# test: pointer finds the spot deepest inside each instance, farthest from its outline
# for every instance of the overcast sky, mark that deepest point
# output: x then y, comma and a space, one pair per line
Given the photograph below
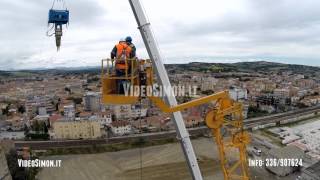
203, 30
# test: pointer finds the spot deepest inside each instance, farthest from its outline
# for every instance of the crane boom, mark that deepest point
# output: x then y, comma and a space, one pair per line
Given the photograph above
154, 54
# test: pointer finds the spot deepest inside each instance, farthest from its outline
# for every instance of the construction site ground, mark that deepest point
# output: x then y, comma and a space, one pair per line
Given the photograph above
158, 163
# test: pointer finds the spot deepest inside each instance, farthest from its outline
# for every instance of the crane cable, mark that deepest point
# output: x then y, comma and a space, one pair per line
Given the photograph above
50, 31
140, 129
140, 139
64, 6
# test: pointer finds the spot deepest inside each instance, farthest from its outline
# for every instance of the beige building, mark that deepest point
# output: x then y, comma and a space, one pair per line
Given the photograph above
76, 130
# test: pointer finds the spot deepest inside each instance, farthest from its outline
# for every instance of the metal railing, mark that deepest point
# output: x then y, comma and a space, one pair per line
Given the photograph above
108, 69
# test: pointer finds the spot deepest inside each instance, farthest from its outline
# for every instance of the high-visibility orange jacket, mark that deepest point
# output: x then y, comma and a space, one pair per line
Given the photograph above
121, 51
123, 48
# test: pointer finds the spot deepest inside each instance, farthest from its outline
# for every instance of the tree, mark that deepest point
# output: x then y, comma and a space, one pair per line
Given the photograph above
49, 124
67, 89
17, 173
57, 106
21, 109
45, 129
207, 92
6, 110
26, 129
36, 126
77, 100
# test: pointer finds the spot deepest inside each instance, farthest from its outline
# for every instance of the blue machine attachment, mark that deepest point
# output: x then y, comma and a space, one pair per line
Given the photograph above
57, 18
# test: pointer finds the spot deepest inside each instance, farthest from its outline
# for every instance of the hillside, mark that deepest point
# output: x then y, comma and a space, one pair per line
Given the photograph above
246, 67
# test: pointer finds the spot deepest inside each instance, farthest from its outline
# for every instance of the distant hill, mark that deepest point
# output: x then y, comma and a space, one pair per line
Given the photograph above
4, 74
21, 73
245, 67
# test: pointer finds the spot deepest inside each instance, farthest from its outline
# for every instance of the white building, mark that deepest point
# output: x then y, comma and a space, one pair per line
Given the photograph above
237, 93
268, 108
129, 111
104, 118
302, 92
245, 108
33, 103
208, 83
41, 118
120, 128
283, 92
69, 112
137, 112
16, 135
92, 101
122, 111
42, 111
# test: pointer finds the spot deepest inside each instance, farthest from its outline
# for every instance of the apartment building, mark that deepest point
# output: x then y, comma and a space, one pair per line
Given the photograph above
237, 93
69, 112
120, 128
76, 130
33, 103
129, 111
92, 101
104, 118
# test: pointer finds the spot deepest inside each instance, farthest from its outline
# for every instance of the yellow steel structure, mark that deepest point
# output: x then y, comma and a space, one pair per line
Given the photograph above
228, 114
136, 71
225, 116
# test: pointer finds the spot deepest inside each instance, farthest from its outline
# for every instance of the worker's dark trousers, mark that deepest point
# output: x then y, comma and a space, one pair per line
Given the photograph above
120, 82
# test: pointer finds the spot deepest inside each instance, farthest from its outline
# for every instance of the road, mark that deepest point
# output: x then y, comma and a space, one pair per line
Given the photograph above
250, 123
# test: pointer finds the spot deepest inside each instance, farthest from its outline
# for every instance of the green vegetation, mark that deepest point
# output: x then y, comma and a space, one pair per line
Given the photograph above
76, 100
262, 67
254, 111
266, 92
20, 173
21, 109
12, 161
207, 92
39, 131
271, 136
300, 122
5, 111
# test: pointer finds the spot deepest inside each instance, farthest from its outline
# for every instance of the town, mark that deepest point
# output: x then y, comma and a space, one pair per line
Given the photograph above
68, 106
51, 105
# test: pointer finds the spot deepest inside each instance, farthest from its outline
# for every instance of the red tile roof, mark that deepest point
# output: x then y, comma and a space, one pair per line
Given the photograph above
119, 123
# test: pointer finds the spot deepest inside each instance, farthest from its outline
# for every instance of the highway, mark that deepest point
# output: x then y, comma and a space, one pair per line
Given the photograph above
249, 123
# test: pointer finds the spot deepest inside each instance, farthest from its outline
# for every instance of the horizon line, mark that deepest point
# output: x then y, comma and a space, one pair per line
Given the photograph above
177, 63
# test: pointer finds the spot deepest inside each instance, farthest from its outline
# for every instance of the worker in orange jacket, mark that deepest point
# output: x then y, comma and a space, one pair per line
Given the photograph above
122, 51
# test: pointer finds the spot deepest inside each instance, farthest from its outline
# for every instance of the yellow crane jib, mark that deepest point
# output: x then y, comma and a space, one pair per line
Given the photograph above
226, 114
